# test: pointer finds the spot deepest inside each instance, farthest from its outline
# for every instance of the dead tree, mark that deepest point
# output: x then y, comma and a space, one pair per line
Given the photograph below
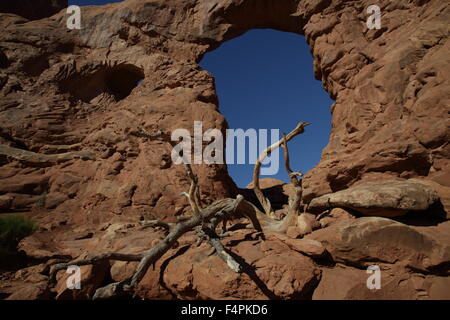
267, 219
204, 222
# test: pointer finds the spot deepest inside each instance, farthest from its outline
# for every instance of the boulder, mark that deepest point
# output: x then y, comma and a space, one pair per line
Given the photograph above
272, 270
385, 199
123, 270
347, 283
54, 199
33, 274
335, 215
311, 248
359, 241
266, 183
37, 248
295, 232
39, 291
92, 278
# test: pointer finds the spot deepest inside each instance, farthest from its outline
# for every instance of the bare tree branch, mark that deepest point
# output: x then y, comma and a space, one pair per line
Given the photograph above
152, 255
294, 202
211, 236
204, 222
194, 193
265, 223
210, 216
265, 203
102, 257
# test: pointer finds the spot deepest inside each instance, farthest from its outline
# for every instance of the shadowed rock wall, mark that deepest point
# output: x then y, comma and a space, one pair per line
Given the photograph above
33, 9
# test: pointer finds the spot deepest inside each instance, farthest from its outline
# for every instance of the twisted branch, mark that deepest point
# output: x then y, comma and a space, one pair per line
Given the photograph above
265, 203
204, 222
194, 190
294, 202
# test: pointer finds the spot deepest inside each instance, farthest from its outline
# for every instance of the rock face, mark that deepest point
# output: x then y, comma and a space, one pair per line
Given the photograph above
71, 113
358, 241
86, 118
91, 278
347, 283
33, 9
274, 272
386, 199
397, 249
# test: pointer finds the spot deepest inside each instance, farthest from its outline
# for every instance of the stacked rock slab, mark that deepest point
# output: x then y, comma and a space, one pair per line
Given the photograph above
386, 199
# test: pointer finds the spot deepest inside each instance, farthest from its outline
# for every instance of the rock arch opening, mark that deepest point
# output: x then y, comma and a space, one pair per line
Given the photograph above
265, 80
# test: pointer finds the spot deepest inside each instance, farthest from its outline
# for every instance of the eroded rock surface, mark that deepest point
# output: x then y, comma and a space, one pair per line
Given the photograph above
347, 283
86, 117
385, 199
72, 92
358, 241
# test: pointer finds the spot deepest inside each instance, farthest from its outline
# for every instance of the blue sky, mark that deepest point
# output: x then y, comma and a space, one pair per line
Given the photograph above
264, 80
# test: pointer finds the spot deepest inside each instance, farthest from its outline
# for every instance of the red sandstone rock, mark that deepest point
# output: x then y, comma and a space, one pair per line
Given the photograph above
295, 232
196, 274
443, 192
358, 241
347, 283
91, 279
311, 248
73, 126
38, 291
335, 215
363, 142
266, 183
386, 199
306, 223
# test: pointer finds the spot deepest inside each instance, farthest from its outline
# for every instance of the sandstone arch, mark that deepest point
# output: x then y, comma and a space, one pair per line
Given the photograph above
389, 120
